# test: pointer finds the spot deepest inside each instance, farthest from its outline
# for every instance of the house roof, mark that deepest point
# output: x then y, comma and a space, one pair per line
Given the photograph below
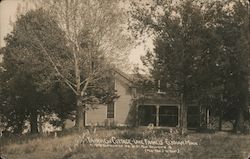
128, 78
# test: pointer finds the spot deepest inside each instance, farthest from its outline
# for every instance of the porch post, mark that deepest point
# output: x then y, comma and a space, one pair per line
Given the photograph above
157, 115
179, 116
136, 116
207, 117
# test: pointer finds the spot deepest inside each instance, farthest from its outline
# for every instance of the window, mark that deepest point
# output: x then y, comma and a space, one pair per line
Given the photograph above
161, 85
110, 110
168, 116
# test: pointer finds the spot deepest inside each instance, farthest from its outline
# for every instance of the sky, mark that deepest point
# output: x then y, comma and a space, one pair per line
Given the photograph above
7, 14
8, 11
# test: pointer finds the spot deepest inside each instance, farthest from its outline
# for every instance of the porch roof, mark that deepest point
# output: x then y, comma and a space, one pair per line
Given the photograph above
156, 98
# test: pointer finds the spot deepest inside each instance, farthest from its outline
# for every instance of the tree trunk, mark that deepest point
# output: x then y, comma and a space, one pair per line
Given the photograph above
243, 104
80, 115
220, 117
220, 122
33, 122
243, 83
239, 122
183, 123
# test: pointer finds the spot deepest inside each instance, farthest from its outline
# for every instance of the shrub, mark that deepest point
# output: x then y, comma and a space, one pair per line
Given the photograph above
30, 149
129, 134
110, 123
246, 127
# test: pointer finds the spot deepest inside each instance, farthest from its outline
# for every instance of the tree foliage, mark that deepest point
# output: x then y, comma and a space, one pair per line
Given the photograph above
65, 46
201, 50
95, 36
26, 77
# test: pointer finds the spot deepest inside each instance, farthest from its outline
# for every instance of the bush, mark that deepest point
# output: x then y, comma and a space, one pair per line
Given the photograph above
130, 134
147, 133
246, 127
206, 130
110, 123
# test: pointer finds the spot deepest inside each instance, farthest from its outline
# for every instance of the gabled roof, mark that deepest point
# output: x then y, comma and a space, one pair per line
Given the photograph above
128, 78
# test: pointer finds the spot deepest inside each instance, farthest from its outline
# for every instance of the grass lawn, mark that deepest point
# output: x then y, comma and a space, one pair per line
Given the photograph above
220, 145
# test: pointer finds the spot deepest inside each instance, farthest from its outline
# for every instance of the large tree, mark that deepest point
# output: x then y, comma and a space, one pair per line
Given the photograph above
94, 42
233, 30
196, 47
26, 78
180, 37
95, 35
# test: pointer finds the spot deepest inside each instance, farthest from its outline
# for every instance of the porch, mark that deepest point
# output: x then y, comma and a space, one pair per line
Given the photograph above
167, 115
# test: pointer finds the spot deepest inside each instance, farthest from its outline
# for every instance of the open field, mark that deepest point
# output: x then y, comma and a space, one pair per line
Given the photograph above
220, 145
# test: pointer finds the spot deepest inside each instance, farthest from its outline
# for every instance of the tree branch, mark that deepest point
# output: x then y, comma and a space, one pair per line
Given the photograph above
68, 82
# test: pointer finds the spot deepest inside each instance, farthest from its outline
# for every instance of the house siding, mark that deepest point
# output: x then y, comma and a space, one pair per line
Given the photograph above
123, 103
97, 116
121, 106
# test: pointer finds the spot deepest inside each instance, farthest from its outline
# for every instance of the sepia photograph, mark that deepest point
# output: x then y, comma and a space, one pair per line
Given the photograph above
124, 79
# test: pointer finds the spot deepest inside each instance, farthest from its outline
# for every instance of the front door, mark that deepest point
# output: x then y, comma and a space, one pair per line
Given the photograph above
147, 115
